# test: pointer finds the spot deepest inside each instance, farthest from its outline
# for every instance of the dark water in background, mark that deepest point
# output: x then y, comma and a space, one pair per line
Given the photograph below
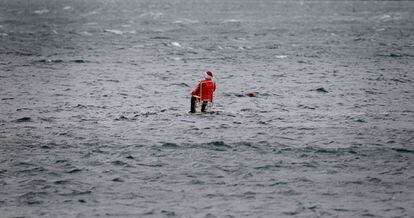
95, 94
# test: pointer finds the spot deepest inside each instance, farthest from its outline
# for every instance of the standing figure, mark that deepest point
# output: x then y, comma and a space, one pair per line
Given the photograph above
203, 92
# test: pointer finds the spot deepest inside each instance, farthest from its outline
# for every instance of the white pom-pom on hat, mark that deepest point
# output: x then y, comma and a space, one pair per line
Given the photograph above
208, 74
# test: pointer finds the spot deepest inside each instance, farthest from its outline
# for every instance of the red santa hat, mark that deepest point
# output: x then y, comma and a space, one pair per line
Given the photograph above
208, 74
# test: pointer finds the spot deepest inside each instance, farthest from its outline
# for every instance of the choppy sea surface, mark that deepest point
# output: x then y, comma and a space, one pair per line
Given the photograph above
94, 101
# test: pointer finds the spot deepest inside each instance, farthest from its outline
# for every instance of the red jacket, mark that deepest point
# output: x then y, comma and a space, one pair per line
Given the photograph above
205, 89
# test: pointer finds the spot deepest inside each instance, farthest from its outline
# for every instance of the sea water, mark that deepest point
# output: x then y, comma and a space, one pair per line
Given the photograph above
95, 95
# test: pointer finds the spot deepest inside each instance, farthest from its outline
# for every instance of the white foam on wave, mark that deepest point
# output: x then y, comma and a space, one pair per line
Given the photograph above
176, 44
114, 31
388, 17
385, 17
42, 11
153, 15
86, 33
185, 21
231, 21
91, 23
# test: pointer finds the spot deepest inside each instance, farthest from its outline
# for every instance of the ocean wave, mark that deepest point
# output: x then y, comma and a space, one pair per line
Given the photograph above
114, 31
152, 15
41, 11
232, 21
176, 44
309, 107
185, 21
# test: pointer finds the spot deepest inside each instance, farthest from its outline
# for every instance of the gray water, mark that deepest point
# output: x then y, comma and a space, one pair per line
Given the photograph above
94, 101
